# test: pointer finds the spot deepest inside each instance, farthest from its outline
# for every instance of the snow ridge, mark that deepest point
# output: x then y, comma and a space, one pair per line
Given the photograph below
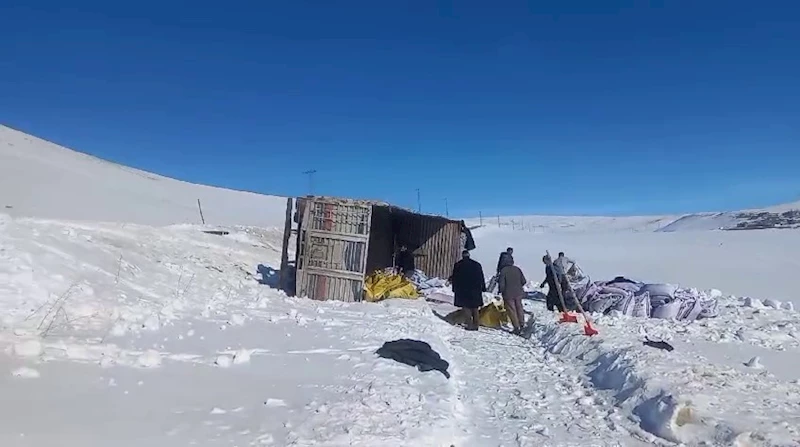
674, 397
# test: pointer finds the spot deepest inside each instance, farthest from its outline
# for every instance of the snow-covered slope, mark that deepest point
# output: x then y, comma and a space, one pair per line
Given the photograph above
779, 217
42, 179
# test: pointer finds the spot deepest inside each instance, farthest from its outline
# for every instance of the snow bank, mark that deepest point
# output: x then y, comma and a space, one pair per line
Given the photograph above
680, 396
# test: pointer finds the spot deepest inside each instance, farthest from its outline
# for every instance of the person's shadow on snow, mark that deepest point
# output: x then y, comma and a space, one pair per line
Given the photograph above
269, 276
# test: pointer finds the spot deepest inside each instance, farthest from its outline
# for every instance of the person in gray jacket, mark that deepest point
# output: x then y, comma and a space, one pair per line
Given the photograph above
510, 283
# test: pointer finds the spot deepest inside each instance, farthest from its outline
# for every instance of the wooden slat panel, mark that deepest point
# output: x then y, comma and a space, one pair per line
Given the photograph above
336, 239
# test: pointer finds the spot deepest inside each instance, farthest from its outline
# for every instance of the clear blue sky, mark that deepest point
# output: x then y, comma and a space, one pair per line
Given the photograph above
582, 107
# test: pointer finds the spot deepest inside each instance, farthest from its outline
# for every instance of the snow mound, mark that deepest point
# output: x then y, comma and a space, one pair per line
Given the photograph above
242, 356
29, 348
224, 361
26, 373
150, 359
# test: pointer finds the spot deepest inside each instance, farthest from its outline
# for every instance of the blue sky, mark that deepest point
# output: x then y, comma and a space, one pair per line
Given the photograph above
579, 107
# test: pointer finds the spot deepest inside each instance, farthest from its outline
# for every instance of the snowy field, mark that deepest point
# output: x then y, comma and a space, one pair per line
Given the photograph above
122, 323
119, 334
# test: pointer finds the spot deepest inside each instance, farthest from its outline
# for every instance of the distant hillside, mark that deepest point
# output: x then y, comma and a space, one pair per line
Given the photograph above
781, 217
42, 179
785, 216
574, 224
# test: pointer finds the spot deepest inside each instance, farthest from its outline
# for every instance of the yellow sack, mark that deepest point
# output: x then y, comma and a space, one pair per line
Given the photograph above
493, 315
381, 285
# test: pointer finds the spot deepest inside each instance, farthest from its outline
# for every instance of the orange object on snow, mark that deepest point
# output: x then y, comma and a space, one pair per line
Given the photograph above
567, 317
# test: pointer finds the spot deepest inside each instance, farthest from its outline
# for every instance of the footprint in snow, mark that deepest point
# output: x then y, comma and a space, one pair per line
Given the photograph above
274, 403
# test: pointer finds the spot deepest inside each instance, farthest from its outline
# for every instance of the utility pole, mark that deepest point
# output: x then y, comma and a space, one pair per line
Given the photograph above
419, 202
310, 173
446, 208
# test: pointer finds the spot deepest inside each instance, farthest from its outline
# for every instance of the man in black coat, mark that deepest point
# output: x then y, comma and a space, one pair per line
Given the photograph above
404, 261
468, 285
551, 276
504, 258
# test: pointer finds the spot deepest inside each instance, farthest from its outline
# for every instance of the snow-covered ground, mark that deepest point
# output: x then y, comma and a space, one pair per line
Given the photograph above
121, 334
126, 334
42, 179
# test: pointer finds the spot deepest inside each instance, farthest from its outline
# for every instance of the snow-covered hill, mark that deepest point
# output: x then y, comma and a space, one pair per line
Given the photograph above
786, 216
42, 179
574, 224
779, 217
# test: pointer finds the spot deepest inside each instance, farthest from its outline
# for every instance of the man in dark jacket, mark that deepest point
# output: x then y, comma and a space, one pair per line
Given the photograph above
469, 241
468, 285
551, 276
404, 261
509, 253
510, 284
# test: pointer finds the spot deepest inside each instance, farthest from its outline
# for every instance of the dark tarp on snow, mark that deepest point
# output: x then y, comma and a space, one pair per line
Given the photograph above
414, 353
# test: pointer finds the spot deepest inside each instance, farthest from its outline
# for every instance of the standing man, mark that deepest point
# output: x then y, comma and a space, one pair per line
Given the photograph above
510, 283
468, 285
563, 264
550, 279
509, 253
552, 275
404, 261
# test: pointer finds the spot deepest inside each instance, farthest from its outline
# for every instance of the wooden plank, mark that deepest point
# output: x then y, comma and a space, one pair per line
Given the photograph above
283, 279
339, 236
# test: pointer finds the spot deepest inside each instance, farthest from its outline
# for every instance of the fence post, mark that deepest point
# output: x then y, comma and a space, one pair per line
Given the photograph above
283, 277
480, 216
203, 219
498, 221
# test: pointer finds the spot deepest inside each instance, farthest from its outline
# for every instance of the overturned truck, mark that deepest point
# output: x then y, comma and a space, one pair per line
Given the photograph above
339, 242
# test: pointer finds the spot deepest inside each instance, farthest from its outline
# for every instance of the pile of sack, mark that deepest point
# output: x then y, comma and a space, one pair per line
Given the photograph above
639, 299
492, 315
381, 285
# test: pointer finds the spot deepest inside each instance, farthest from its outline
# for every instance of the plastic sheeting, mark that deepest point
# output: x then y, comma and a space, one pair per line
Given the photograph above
638, 299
